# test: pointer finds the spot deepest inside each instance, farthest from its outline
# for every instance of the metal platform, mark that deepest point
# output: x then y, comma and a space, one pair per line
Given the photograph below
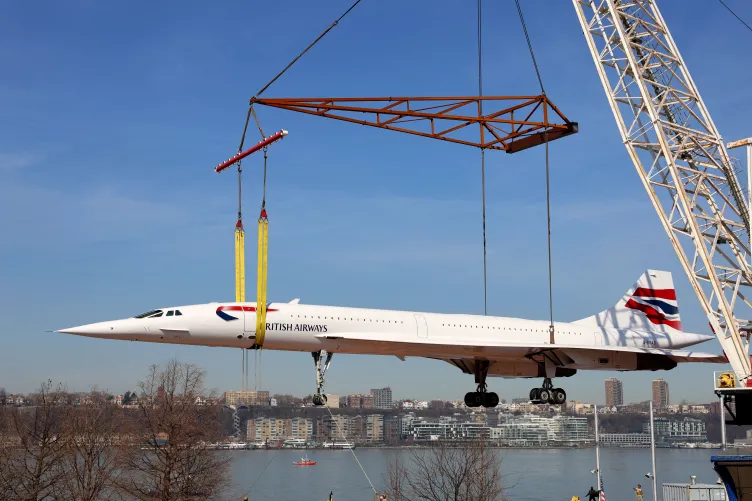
736, 396
736, 474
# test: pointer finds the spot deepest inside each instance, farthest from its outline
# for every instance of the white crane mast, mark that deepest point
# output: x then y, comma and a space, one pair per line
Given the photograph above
680, 158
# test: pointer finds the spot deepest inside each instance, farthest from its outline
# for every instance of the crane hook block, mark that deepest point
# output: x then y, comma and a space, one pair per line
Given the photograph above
269, 140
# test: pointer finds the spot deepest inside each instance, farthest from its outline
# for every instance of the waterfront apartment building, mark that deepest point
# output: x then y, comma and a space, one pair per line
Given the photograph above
531, 430
301, 428
375, 428
333, 428
240, 397
268, 429
392, 427
448, 429
614, 393
624, 439
382, 398
686, 429
660, 394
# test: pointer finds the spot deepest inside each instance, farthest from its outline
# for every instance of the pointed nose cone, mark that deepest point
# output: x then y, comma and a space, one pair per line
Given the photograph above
92, 330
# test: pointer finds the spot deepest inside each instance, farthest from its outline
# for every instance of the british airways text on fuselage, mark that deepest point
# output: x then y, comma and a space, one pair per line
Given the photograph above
281, 327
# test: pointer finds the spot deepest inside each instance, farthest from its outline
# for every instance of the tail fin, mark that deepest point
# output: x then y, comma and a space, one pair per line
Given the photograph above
649, 305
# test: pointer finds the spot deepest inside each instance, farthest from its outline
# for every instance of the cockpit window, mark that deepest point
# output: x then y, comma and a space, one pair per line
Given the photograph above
177, 313
152, 313
170, 313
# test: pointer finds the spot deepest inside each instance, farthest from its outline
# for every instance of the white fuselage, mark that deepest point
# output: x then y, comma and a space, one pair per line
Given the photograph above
298, 327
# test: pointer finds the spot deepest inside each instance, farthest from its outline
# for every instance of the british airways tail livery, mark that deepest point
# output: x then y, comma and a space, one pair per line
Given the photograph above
642, 331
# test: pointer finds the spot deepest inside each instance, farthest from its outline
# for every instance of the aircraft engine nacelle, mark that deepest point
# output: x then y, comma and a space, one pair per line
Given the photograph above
620, 361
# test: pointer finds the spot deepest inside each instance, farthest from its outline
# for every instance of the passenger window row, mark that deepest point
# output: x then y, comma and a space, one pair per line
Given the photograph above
351, 319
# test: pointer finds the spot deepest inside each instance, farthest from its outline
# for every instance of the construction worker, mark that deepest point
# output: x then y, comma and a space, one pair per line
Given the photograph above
331, 493
638, 492
575, 498
592, 494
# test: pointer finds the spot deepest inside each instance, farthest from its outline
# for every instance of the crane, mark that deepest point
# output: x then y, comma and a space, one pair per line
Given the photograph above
685, 169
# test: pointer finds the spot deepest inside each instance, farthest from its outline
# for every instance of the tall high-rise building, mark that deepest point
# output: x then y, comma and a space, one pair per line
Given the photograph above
614, 394
660, 394
382, 398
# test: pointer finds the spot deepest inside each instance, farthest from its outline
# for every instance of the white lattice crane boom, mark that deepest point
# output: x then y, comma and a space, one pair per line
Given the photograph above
680, 158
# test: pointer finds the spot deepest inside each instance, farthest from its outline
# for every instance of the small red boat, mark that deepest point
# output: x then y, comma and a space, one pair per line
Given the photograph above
304, 461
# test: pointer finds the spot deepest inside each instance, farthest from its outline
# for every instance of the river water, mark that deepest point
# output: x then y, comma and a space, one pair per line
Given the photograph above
531, 475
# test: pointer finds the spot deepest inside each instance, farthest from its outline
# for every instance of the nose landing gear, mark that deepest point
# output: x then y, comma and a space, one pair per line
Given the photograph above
481, 397
548, 394
319, 398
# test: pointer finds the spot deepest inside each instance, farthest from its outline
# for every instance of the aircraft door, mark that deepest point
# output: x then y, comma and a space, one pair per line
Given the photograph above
598, 338
250, 320
421, 325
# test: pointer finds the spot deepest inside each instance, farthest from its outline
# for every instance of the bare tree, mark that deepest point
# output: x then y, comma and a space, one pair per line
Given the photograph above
33, 462
174, 461
92, 455
8, 447
447, 472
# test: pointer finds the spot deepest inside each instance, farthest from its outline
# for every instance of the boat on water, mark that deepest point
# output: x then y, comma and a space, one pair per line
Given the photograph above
339, 445
304, 461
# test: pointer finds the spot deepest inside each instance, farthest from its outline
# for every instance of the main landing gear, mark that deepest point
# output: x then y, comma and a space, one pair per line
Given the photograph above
319, 398
481, 397
548, 394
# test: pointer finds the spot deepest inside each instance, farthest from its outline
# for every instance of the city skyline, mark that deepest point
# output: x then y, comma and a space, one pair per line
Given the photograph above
659, 395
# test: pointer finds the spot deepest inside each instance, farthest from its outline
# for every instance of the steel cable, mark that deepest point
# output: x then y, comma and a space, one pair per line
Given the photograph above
482, 157
548, 179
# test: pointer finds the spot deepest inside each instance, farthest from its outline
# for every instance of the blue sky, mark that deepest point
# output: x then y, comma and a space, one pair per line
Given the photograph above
112, 117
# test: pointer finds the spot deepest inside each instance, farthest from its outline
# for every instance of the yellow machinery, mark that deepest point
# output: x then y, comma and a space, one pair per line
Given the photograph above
726, 380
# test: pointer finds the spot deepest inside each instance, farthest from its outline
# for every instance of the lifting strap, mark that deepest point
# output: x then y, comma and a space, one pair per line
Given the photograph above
263, 233
239, 262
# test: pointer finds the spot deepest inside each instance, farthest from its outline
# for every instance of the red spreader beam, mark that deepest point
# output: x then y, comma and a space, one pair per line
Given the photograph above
240, 156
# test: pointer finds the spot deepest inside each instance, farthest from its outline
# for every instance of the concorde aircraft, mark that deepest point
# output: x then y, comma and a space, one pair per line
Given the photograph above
642, 331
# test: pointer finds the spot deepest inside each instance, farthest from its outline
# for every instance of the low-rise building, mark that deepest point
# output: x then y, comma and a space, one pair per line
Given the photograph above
246, 397
624, 439
684, 429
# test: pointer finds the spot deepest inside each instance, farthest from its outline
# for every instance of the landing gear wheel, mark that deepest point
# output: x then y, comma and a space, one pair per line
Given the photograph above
535, 394
558, 396
544, 396
319, 399
474, 399
490, 400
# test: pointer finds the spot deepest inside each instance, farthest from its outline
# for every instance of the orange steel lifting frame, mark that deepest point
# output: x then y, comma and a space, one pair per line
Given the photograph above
524, 122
